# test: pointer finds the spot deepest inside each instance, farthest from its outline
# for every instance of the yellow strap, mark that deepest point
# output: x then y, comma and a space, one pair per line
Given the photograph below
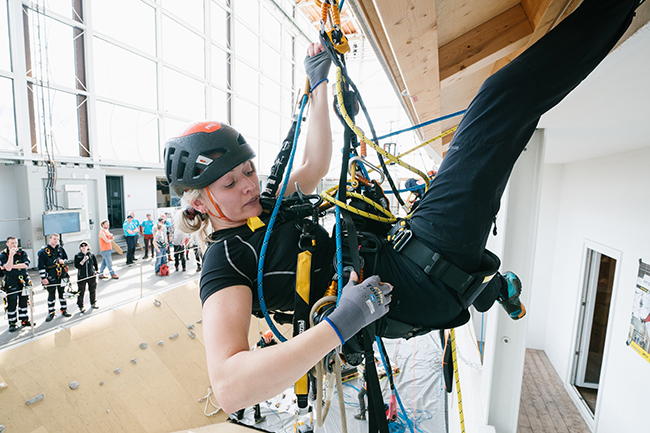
303, 279
254, 223
303, 275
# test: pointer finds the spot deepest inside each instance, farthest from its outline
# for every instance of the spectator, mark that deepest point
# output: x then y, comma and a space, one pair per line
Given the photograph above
160, 245
14, 261
138, 228
86, 263
179, 241
106, 248
131, 233
198, 254
147, 232
53, 272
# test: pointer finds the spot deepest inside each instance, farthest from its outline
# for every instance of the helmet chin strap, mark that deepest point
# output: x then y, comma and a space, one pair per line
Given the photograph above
216, 206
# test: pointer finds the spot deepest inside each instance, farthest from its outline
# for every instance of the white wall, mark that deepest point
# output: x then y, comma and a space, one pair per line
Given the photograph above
607, 201
538, 309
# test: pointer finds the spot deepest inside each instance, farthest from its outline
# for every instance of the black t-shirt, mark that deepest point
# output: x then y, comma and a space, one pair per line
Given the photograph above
232, 260
12, 276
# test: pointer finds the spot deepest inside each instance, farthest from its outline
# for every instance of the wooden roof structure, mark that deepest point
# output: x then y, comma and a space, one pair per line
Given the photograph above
438, 53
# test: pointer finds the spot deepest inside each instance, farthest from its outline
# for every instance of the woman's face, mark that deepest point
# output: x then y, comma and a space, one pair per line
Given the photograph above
237, 193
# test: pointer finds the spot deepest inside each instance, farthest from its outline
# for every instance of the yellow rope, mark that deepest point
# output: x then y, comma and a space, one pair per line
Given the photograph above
364, 214
438, 137
456, 377
363, 137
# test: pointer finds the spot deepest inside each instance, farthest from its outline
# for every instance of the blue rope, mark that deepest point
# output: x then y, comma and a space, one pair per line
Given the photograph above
439, 119
399, 400
339, 252
388, 191
271, 223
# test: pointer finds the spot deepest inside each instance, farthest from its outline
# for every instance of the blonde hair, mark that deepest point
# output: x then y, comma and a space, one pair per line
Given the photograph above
197, 227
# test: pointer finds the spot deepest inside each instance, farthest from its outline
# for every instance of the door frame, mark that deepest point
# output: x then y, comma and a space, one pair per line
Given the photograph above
592, 418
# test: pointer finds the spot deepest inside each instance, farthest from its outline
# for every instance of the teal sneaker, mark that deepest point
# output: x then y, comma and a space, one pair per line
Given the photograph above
512, 303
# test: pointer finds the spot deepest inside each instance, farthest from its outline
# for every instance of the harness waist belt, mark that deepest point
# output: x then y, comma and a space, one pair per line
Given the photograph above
466, 286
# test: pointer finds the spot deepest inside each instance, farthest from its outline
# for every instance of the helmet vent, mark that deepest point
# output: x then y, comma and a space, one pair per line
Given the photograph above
182, 162
170, 153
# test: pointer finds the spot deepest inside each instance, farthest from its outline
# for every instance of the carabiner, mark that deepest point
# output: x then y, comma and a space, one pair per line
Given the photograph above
363, 161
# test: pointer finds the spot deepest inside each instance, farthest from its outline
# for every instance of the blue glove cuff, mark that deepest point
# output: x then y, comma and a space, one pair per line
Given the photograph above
316, 85
335, 330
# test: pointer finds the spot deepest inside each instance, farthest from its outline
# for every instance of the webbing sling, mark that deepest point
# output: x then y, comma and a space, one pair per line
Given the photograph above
377, 421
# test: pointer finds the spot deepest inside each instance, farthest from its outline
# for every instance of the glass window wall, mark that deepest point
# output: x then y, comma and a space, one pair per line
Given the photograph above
137, 28
124, 76
184, 96
5, 51
7, 118
125, 134
182, 48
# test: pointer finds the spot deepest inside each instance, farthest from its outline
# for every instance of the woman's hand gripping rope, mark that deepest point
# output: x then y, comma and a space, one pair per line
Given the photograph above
360, 305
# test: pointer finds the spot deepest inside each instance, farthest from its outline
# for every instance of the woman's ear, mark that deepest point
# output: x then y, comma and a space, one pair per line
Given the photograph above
198, 204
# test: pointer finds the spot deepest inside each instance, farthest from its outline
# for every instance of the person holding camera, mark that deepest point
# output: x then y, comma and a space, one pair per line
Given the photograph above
86, 263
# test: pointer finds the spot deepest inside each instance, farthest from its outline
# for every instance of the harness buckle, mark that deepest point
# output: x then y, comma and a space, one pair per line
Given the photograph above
401, 238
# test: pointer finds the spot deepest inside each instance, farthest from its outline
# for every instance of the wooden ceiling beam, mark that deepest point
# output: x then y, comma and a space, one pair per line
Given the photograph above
484, 45
370, 19
411, 29
543, 14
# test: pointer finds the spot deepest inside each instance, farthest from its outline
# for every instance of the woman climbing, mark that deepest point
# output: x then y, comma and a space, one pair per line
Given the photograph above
210, 165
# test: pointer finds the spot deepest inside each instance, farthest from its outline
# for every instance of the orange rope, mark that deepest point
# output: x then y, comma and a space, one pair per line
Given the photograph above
335, 13
323, 12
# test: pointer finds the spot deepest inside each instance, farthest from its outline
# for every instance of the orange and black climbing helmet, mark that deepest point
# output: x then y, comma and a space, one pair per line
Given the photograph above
203, 153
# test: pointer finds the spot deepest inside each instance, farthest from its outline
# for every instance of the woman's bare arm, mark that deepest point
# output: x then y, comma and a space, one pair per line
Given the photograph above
318, 144
240, 377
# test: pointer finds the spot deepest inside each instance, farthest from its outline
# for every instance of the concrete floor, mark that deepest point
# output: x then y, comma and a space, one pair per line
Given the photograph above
135, 281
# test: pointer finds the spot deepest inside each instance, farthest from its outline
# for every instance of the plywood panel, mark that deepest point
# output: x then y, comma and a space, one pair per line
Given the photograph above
457, 18
411, 27
160, 392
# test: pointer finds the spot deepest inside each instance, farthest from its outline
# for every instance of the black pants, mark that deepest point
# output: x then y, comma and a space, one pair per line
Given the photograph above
16, 299
456, 213
131, 243
92, 290
148, 245
51, 297
179, 256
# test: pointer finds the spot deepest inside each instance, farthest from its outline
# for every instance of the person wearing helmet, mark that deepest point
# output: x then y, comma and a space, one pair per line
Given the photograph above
267, 339
86, 263
211, 166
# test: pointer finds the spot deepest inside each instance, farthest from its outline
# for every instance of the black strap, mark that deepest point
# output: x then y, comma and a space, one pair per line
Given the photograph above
377, 421
353, 241
436, 266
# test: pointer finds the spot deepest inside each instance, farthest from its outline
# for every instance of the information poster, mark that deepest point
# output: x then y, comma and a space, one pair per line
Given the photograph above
639, 336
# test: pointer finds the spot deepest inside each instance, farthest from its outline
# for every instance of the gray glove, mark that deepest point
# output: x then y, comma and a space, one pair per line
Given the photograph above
359, 306
317, 68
